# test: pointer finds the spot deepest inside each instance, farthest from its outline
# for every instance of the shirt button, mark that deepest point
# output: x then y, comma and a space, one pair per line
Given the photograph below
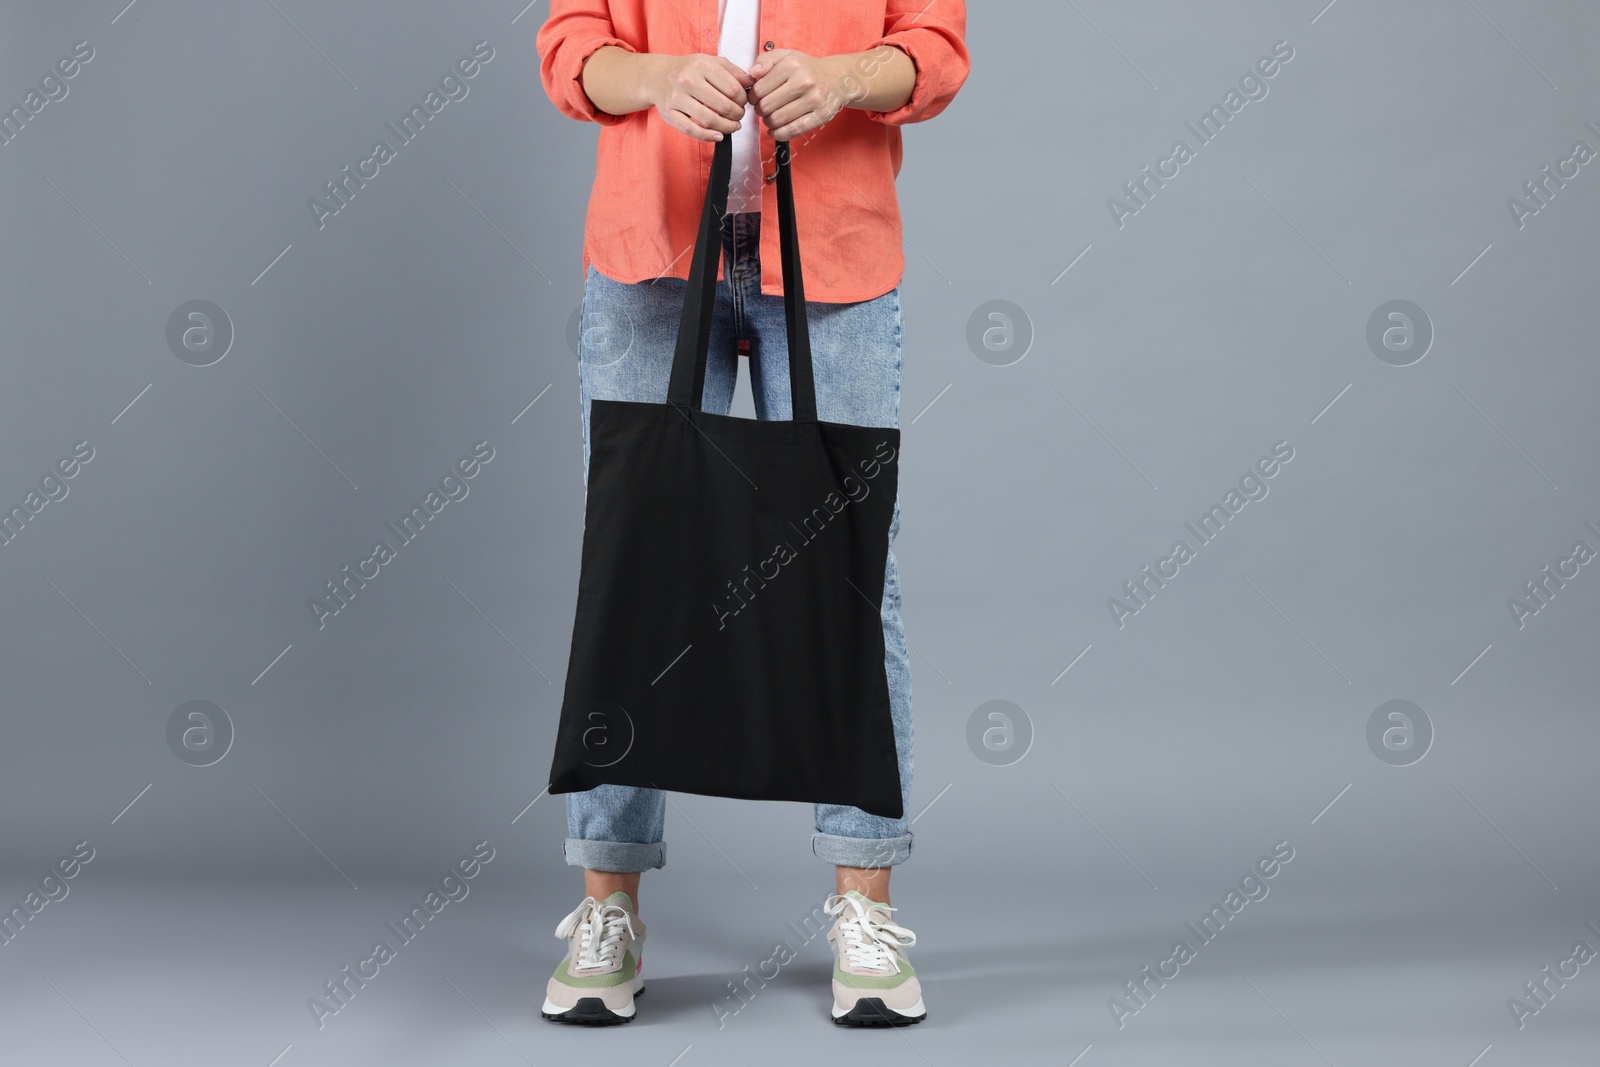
767, 47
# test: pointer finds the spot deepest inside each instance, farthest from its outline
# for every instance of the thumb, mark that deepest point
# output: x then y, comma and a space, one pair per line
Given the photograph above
766, 61
739, 73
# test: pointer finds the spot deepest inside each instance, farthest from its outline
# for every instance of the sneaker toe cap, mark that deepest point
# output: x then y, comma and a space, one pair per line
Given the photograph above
615, 997
902, 997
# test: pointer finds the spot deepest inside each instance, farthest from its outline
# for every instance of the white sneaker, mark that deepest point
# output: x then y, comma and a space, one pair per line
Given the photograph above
873, 982
597, 980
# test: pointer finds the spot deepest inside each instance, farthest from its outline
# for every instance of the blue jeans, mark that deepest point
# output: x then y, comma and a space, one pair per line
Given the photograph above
628, 333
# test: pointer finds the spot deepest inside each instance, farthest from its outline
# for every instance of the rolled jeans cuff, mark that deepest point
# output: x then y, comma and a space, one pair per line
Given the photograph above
619, 857
864, 852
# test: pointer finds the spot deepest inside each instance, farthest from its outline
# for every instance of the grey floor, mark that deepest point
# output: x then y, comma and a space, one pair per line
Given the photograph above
213, 973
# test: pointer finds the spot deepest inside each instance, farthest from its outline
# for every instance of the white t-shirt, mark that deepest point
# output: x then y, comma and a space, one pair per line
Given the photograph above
740, 30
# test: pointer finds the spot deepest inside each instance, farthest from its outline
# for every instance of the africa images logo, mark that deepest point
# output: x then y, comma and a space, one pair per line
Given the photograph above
856, 489
453, 86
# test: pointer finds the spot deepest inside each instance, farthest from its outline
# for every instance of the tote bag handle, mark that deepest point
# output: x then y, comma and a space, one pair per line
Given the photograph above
694, 327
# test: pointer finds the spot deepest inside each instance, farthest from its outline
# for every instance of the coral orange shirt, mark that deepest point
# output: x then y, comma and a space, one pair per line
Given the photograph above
650, 180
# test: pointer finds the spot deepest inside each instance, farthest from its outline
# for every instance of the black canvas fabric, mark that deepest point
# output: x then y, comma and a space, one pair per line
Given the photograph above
728, 637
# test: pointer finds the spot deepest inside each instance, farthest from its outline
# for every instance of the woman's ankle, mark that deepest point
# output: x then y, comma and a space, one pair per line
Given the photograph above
601, 884
870, 882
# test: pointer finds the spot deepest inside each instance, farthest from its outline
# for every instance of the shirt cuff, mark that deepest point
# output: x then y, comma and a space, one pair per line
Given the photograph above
924, 60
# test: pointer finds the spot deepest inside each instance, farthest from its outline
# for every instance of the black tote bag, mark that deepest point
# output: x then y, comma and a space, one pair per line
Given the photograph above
728, 637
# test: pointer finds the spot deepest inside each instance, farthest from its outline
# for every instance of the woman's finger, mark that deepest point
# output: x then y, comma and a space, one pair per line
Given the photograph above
789, 112
704, 117
733, 83
686, 125
788, 131
784, 90
715, 101
708, 113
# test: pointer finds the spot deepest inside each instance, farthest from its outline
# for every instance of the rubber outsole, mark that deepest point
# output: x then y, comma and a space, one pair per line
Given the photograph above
591, 1011
870, 1011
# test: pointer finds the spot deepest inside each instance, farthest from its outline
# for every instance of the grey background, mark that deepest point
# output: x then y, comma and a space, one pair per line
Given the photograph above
1228, 314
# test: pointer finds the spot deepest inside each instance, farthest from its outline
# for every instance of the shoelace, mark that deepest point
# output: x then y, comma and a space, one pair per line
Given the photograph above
870, 943
600, 928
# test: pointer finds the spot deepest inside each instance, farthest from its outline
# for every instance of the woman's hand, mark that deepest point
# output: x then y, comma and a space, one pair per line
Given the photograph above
704, 96
796, 93
700, 95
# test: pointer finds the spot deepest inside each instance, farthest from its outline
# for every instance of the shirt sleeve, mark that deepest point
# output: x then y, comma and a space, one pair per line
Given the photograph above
571, 33
934, 36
